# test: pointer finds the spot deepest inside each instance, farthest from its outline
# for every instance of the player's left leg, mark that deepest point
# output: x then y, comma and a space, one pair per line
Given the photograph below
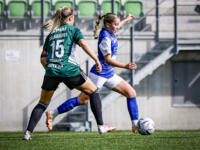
128, 91
37, 112
95, 102
91, 90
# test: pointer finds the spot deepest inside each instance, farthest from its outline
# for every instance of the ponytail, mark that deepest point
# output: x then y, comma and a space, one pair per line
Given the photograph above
108, 18
97, 26
58, 18
54, 22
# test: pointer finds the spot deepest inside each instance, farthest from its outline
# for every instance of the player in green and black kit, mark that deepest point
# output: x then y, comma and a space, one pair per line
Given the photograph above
60, 46
59, 62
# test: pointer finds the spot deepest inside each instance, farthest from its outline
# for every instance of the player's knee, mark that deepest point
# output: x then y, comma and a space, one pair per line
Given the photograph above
130, 93
84, 100
90, 91
44, 101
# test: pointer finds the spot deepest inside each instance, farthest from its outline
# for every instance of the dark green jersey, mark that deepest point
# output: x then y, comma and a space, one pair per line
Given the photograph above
60, 47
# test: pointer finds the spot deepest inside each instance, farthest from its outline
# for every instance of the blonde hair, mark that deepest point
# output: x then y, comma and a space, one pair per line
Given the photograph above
108, 18
58, 18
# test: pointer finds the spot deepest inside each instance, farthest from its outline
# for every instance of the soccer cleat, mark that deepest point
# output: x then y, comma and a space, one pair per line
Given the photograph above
111, 129
103, 129
49, 120
135, 130
27, 135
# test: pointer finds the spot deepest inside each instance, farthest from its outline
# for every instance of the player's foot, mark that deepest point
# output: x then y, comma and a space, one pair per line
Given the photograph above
111, 128
135, 126
49, 120
135, 130
103, 129
27, 135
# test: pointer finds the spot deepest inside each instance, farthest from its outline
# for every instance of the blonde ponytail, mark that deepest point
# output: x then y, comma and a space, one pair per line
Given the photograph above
54, 22
58, 18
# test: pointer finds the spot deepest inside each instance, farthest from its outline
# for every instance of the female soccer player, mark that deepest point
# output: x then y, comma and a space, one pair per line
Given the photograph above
107, 51
60, 65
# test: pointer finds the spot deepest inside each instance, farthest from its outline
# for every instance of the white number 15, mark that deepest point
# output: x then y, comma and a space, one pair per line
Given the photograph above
58, 50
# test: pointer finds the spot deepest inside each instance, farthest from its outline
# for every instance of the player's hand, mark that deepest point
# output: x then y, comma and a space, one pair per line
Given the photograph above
131, 65
129, 17
98, 66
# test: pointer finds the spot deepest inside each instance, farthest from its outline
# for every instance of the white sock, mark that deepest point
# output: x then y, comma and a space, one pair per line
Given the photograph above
134, 123
54, 113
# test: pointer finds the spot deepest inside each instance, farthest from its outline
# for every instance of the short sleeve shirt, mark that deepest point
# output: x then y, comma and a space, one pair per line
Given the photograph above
107, 44
60, 48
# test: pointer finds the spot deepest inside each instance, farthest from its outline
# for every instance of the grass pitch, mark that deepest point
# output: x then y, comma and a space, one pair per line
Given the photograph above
119, 140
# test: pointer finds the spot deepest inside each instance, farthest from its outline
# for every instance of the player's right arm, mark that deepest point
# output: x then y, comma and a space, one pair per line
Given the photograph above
83, 44
43, 58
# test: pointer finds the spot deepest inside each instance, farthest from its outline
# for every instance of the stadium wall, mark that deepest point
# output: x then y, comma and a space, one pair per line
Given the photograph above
22, 75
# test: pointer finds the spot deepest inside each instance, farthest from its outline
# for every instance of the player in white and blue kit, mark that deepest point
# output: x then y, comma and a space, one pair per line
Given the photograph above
107, 44
107, 51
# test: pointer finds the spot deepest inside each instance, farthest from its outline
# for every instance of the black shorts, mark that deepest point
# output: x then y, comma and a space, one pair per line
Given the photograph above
52, 82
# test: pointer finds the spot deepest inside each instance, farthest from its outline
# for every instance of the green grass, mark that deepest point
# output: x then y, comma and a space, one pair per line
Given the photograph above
119, 140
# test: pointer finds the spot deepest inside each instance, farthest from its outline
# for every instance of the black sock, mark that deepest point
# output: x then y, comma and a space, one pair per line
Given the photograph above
35, 116
96, 107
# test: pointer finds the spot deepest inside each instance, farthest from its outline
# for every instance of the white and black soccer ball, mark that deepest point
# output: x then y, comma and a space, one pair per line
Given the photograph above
146, 126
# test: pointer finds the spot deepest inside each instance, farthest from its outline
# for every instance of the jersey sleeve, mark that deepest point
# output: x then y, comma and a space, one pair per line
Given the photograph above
105, 46
44, 51
78, 35
46, 42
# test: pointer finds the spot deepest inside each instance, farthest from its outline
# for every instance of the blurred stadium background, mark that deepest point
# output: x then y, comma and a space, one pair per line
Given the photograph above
163, 40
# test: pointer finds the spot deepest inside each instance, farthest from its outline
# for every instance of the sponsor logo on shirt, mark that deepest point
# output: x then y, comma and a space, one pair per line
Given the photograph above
55, 66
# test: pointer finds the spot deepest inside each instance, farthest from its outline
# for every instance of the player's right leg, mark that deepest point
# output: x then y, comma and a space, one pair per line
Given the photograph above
119, 85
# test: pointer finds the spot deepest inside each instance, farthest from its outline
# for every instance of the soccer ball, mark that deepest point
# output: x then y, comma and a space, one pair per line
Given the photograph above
146, 126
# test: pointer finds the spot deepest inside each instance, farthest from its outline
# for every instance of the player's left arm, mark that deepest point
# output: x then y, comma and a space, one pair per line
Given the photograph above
127, 19
115, 63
